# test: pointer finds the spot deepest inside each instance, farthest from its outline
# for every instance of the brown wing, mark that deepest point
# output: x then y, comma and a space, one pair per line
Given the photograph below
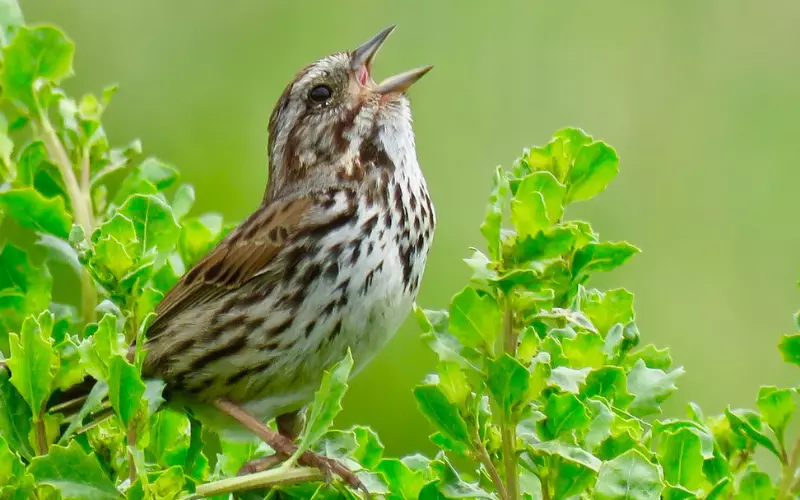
235, 260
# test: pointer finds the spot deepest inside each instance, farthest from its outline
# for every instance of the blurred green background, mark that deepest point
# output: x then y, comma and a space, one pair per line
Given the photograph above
701, 99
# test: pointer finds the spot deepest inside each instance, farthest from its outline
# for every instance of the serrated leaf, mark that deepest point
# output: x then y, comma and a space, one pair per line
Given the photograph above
24, 290
650, 387
537, 203
198, 236
402, 481
790, 348
569, 452
111, 254
182, 201
34, 362
475, 319
104, 343
630, 476
11, 467
569, 379
605, 310
436, 334
40, 53
433, 403
490, 228
565, 413
369, 451
453, 382
76, 475
595, 165
153, 221
547, 244
125, 389
151, 171
601, 257
450, 483
776, 407
602, 419
169, 438
744, 427
610, 383
327, 403
756, 485
508, 383
32, 210
15, 417
586, 350
681, 457
651, 356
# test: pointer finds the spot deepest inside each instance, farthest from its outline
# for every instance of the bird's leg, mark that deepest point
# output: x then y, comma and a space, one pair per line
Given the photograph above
289, 425
284, 446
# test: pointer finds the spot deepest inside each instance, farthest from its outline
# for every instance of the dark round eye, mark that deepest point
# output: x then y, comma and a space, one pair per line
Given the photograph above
320, 94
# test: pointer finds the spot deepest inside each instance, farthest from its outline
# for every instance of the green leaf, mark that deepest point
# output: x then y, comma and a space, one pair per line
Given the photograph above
490, 228
776, 407
595, 166
169, 438
568, 452
605, 310
125, 389
93, 401
585, 350
650, 387
721, 491
167, 484
327, 403
508, 384
198, 236
601, 257
630, 476
681, 457
537, 203
402, 481
547, 244
370, 449
153, 221
182, 201
610, 383
32, 210
34, 362
453, 382
105, 343
28, 162
151, 171
652, 357
451, 485
436, 334
76, 475
15, 417
24, 290
790, 348
565, 413
743, 426
602, 419
111, 254
475, 319
569, 379
433, 403
41, 53
756, 485
11, 467
10, 20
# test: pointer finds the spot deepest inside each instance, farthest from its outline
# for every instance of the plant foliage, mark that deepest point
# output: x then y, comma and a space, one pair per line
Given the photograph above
542, 388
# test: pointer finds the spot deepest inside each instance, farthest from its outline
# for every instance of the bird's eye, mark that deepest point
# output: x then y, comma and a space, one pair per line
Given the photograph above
320, 94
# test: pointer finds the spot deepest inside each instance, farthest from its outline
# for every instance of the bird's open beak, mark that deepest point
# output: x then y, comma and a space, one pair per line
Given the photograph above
363, 56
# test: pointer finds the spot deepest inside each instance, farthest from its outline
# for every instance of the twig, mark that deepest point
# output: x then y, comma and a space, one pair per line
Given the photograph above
41, 436
259, 480
483, 457
79, 200
788, 482
508, 428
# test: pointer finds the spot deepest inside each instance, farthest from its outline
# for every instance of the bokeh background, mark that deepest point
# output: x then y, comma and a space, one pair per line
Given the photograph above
700, 99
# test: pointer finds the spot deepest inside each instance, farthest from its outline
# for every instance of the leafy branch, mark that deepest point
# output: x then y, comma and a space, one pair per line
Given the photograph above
541, 389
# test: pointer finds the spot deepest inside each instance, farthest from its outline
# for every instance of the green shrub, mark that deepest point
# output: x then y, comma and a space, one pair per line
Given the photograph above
542, 390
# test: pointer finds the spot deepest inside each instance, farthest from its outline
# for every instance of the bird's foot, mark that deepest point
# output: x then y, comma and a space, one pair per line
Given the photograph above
284, 448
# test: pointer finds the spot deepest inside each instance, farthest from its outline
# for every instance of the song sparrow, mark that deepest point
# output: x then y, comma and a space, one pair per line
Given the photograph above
331, 260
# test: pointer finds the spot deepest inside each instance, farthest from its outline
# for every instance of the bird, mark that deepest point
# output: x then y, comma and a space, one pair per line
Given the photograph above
331, 260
